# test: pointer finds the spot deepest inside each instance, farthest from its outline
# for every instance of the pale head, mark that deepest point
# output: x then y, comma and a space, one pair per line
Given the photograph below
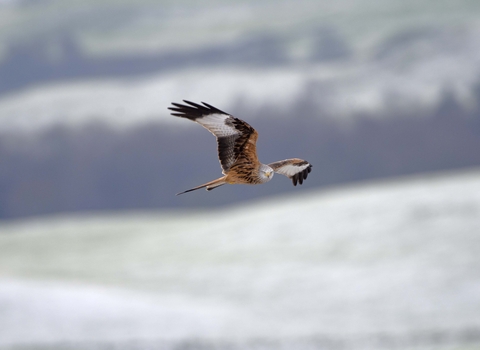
265, 173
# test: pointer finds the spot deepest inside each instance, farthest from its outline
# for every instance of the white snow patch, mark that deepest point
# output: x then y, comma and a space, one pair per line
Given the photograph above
43, 312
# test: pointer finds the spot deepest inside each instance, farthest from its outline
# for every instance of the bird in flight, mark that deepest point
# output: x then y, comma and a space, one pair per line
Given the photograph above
237, 152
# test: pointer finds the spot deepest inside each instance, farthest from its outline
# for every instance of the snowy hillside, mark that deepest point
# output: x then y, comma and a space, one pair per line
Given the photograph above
350, 57
386, 265
340, 90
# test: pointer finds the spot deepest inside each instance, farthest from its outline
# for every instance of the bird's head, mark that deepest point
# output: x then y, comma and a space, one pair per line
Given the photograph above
266, 173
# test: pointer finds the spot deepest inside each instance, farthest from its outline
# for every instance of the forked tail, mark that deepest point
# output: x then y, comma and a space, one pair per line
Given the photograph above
209, 185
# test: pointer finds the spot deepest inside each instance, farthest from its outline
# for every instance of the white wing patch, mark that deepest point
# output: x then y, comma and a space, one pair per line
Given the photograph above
217, 124
291, 169
295, 169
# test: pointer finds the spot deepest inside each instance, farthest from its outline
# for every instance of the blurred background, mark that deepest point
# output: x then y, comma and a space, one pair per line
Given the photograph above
379, 249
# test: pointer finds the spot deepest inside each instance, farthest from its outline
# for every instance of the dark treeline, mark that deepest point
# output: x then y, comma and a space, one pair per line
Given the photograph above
100, 168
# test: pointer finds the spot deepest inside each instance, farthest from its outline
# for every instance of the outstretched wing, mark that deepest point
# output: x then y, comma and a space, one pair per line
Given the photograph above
295, 169
233, 135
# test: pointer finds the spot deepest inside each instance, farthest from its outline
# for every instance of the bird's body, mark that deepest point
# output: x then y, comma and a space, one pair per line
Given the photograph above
237, 150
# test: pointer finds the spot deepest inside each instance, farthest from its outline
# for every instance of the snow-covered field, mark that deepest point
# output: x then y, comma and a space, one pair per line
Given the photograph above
381, 265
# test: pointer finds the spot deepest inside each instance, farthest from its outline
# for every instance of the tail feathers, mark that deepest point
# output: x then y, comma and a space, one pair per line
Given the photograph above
209, 185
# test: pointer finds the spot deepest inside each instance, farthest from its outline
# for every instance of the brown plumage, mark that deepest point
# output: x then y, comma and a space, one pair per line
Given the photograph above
237, 151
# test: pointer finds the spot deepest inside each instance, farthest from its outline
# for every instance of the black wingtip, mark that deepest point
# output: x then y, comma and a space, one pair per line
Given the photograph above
196, 105
192, 110
301, 176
